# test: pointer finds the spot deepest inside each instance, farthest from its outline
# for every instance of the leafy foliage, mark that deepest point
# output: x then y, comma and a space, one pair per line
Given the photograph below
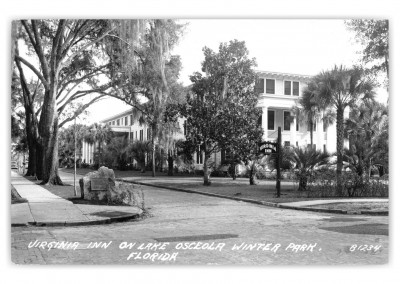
139, 150
152, 85
221, 111
338, 89
374, 36
367, 129
116, 152
66, 142
306, 160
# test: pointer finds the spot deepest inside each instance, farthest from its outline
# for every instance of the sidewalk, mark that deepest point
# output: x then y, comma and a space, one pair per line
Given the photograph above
46, 209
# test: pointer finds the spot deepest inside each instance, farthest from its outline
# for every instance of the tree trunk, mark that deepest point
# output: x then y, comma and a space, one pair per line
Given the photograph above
339, 150
31, 159
39, 161
302, 183
233, 171
206, 171
170, 166
311, 134
50, 159
252, 174
48, 131
252, 177
99, 149
31, 129
153, 157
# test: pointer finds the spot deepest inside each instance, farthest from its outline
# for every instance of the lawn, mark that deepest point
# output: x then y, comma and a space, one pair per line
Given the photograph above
265, 190
361, 206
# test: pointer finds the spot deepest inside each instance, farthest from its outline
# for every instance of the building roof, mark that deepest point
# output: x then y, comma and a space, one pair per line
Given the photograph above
119, 115
283, 75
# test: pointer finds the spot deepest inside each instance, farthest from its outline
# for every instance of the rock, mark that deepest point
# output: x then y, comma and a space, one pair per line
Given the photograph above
85, 183
105, 172
125, 194
117, 192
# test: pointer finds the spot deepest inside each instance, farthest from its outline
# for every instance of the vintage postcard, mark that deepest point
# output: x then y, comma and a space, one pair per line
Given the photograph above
200, 141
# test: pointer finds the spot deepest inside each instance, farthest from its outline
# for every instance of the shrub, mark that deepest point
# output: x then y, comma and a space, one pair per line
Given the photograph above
323, 184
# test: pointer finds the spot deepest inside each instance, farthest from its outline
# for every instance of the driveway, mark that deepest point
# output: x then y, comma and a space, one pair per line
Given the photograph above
184, 228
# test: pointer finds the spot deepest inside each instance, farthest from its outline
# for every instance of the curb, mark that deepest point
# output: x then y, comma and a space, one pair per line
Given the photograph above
81, 223
264, 203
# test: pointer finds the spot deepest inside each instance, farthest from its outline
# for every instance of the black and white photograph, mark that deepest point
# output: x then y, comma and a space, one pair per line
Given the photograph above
185, 141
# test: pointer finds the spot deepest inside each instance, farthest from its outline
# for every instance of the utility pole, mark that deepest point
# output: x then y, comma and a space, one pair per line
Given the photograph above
76, 193
278, 163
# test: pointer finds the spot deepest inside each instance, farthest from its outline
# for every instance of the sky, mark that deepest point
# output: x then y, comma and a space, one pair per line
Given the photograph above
290, 46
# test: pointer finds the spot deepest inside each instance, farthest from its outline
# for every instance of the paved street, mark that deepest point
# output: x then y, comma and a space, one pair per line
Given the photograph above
184, 228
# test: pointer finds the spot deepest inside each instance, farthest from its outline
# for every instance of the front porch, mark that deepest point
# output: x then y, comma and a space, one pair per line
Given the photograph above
294, 132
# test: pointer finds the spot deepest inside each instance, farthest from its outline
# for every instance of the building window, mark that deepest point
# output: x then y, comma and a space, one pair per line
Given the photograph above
314, 126
324, 125
296, 88
131, 119
325, 148
141, 135
314, 146
259, 121
184, 128
297, 143
271, 120
286, 120
297, 124
136, 134
288, 88
270, 86
287, 144
126, 120
118, 122
259, 87
148, 134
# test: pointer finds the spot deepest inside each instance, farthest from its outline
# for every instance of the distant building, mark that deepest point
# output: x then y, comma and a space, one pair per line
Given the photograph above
278, 94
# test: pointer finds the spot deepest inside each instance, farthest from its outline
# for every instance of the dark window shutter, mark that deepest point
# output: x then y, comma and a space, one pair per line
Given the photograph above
270, 86
259, 87
288, 88
296, 88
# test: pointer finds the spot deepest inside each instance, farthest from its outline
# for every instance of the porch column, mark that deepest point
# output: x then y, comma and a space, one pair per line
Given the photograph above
320, 135
264, 122
293, 133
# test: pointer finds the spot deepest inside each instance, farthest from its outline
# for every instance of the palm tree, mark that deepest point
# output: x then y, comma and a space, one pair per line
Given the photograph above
138, 150
340, 88
367, 128
307, 108
116, 152
306, 160
100, 133
254, 166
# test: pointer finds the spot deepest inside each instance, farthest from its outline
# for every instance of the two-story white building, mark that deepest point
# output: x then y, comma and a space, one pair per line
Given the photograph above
278, 93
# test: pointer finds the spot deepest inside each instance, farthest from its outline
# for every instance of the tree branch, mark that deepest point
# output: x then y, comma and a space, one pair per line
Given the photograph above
80, 94
79, 80
69, 60
81, 109
39, 49
30, 66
